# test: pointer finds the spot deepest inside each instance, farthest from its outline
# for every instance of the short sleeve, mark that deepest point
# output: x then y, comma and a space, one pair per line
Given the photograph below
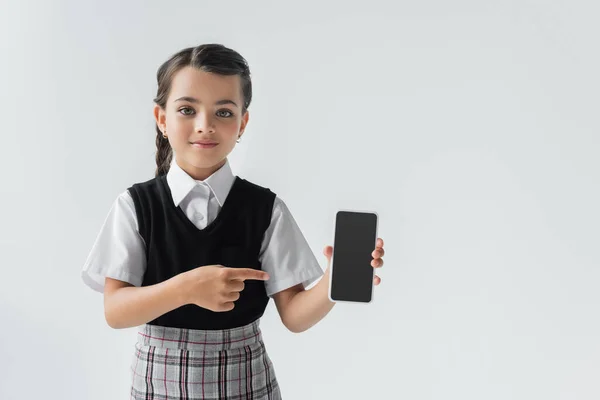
119, 251
285, 254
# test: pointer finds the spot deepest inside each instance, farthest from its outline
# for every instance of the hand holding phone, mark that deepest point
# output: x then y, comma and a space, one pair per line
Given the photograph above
351, 274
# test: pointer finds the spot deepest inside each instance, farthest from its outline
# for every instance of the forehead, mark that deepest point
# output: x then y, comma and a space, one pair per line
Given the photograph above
190, 81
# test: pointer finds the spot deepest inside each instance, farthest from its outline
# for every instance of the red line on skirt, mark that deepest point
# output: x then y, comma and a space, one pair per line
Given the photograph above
203, 361
190, 342
165, 378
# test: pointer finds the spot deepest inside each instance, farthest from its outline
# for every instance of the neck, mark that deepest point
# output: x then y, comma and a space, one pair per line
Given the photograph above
198, 173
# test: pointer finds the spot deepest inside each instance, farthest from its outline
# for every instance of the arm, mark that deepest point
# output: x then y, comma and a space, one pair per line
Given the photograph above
301, 309
213, 287
127, 306
285, 253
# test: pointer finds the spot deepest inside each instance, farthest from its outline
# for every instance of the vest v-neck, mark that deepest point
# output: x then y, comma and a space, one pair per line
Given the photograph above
174, 245
223, 213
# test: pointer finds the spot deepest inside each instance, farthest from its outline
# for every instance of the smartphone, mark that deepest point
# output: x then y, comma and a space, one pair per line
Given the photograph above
351, 273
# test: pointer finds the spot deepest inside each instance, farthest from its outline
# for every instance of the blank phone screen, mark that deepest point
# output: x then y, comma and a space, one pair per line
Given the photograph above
352, 273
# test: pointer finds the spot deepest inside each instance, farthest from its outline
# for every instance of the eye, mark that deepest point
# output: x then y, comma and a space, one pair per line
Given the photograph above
225, 111
185, 109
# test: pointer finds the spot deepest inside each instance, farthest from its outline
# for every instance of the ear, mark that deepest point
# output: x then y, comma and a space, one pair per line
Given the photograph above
160, 117
244, 123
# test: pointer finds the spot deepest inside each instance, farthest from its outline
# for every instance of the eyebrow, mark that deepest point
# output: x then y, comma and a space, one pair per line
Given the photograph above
195, 100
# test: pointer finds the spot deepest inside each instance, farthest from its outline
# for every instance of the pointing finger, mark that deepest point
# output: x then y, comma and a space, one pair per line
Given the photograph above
248, 273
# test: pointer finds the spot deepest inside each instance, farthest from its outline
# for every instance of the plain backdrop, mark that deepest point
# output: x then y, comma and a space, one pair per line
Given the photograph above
471, 127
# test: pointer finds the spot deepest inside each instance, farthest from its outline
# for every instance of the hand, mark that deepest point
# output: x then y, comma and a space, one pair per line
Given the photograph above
216, 287
377, 261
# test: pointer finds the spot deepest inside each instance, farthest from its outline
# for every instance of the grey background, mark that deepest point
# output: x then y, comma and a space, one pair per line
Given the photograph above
470, 126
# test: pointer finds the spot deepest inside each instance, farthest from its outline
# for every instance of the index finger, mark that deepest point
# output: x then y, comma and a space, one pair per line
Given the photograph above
248, 273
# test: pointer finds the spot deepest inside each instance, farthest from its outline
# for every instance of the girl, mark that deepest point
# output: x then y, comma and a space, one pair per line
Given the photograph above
193, 256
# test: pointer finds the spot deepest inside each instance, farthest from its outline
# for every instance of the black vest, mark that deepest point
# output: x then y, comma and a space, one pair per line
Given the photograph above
175, 245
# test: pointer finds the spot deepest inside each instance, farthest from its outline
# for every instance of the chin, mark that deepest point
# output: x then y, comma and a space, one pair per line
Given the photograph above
204, 162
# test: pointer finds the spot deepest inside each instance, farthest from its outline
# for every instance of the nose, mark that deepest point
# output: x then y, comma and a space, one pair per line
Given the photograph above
204, 123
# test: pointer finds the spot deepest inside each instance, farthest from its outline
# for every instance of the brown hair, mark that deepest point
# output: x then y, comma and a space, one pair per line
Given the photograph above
214, 58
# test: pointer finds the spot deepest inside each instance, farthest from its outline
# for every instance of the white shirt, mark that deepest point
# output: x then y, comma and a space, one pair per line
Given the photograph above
119, 249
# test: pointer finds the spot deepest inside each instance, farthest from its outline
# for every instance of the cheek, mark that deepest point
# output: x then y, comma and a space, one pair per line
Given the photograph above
179, 128
231, 127
177, 123
178, 136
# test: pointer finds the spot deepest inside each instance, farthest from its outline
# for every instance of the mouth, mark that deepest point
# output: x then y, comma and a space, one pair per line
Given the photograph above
204, 144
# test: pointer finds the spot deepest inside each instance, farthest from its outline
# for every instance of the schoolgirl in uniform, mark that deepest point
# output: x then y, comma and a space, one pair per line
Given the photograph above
193, 256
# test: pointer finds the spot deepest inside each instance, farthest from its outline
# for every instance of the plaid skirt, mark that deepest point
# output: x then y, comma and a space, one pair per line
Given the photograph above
173, 363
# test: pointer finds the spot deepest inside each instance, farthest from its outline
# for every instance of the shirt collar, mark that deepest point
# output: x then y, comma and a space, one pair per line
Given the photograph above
181, 184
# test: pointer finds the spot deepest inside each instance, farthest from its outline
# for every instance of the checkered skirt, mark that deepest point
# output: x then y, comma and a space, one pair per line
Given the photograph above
173, 363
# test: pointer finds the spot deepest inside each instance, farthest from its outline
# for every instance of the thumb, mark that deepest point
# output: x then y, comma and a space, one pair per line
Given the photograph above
328, 252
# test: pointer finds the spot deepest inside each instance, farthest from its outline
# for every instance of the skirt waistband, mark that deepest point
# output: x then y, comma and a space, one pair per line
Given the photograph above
199, 340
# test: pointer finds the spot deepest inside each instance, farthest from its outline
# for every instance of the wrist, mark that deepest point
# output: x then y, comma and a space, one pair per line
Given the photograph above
179, 289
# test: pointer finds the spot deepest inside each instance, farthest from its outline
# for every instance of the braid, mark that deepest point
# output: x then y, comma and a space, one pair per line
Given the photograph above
164, 153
